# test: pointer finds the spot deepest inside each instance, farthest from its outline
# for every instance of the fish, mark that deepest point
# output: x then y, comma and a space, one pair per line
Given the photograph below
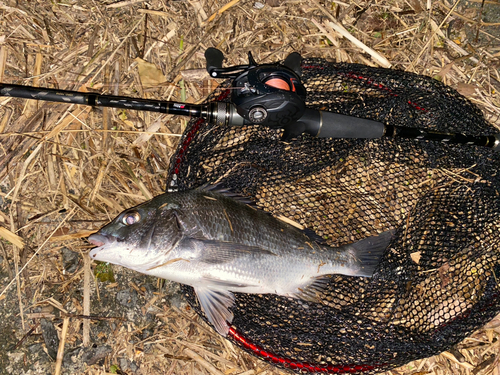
220, 244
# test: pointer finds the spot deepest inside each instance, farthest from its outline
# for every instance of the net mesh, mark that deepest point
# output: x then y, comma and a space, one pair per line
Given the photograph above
437, 282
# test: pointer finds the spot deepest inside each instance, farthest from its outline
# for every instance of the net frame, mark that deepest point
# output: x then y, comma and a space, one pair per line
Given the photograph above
437, 282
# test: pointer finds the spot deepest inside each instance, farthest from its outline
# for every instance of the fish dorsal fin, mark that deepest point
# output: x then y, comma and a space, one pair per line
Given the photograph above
314, 236
215, 304
219, 189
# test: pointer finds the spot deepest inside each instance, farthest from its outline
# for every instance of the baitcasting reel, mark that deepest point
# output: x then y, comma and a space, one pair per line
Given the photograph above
270, 95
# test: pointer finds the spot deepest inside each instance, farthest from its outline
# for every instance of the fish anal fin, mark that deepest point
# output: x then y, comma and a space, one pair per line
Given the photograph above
218, 283
215, 303
312, 291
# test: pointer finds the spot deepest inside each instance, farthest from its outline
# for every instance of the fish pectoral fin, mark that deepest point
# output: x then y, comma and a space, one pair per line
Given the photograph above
215, 304
224, 284
311, 291
217, 252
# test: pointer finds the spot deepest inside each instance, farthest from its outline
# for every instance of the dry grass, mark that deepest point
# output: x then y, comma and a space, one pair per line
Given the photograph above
94, 163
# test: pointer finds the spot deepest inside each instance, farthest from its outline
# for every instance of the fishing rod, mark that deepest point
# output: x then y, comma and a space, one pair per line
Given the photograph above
270, 95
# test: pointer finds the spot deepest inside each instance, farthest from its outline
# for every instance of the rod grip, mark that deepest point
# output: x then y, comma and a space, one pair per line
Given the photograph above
333, 125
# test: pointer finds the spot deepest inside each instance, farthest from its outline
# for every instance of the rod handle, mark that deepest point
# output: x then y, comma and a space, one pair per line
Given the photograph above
333, 125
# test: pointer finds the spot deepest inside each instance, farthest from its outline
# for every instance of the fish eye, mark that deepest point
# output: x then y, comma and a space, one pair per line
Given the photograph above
131, 218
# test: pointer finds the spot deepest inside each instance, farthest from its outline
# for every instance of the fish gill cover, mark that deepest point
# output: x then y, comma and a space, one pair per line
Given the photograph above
437, 282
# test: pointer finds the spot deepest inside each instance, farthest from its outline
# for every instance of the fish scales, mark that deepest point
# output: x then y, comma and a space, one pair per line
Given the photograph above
218, 244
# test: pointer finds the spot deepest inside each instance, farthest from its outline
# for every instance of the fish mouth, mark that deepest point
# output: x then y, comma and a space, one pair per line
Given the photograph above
97, 239
101, 241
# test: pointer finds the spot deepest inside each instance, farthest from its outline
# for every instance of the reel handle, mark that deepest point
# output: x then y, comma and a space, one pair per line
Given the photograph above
214, 58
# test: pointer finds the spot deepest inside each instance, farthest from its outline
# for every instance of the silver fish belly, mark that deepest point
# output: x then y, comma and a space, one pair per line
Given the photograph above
218, 244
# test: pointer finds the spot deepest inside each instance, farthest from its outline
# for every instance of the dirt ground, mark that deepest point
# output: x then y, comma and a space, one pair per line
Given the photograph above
66, 170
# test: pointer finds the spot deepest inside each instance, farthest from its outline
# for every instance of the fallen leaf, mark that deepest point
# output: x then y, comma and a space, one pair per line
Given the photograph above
443, 274
444, 71
416, 256
69, 236
466, 89
60, 232
149, 74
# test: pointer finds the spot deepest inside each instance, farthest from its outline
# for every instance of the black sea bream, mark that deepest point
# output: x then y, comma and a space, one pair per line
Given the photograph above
218, 244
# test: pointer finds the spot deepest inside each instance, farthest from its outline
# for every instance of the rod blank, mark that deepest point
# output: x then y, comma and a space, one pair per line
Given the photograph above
93, 99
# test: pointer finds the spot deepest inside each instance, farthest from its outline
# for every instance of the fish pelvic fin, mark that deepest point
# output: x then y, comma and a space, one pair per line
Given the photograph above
369, 251
215, 304
312, 292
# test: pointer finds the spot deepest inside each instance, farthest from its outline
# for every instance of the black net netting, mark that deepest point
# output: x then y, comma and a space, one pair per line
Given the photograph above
437, 282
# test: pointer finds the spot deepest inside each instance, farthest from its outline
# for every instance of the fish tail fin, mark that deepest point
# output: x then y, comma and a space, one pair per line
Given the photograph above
369, 251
